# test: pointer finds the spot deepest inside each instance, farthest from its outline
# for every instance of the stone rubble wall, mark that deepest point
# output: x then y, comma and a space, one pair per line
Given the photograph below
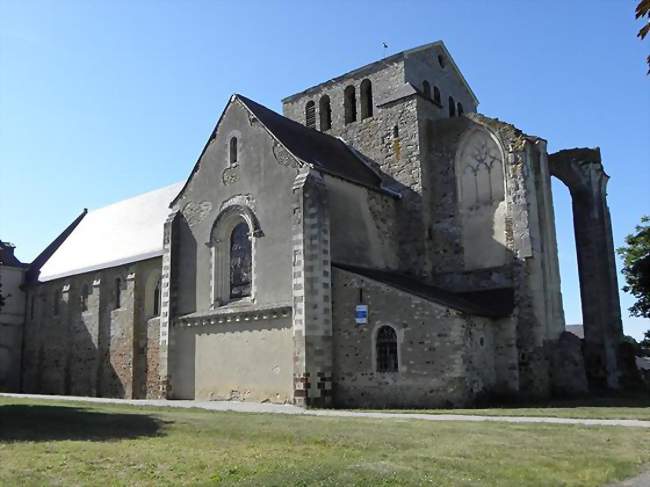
103, 351
446, 358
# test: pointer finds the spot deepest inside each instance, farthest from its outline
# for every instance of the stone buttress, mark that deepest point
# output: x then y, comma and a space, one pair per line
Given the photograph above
312, 314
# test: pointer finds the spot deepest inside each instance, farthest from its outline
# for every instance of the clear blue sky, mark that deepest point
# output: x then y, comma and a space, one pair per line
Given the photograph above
104, 100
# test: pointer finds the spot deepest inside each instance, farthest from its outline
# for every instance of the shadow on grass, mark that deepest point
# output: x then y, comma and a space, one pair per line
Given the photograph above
50, 423
620, 400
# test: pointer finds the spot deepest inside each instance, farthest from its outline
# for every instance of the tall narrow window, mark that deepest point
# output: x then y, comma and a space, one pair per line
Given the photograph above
310, 114
386, 350
395, 132
240, 262
366, 99
118, 293
325, 110
452, 107
426, 90
156, 299
233, 151
459, 109
436, 95
350, 104
57, 298
84, 298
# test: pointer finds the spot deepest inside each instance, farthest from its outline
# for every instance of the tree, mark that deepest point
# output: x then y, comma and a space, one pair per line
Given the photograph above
645, 343
636, 267
643, 11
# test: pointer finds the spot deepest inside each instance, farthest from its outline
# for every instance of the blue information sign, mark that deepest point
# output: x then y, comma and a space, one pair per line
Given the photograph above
361, 314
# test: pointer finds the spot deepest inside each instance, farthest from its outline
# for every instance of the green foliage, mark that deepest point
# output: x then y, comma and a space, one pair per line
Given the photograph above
643, 12
645, 343
636, 267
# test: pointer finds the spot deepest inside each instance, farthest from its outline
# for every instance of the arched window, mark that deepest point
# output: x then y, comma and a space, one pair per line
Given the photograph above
240, 262
57, 298
118, 293
366, 99
386, 349
233, 151
426, 90
459, 109
325, 113
84, 298
436, 95
452, 107
350, 104
481, 190
310, 114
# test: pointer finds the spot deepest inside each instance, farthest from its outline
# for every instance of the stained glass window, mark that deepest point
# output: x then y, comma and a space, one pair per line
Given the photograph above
240, 262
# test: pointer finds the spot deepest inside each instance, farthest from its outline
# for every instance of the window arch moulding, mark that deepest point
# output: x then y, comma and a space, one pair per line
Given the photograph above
220, 247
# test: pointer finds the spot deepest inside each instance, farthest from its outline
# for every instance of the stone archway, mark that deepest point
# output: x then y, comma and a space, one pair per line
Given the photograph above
581, 170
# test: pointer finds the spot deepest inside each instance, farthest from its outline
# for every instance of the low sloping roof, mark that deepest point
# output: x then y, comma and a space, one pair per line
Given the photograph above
494, 303
123, 232
322, 151
577, 330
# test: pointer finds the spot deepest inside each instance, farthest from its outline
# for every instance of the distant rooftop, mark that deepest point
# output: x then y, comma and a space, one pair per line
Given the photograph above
127, 231
7, 256
577, 330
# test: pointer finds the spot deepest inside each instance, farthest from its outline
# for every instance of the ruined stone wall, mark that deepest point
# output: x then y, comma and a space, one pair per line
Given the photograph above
100, 351
446, 358
525, 235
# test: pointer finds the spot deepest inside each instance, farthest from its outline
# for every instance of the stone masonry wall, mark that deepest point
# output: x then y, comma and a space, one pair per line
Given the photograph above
446, 358
389, 141
91, 352
312, 312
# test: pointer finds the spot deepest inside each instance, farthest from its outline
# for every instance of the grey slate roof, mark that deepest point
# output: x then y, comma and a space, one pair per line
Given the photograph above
494, 303
7, 256
322, 151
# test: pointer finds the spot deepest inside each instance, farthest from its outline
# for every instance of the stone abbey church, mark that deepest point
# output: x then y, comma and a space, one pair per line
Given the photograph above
381, 243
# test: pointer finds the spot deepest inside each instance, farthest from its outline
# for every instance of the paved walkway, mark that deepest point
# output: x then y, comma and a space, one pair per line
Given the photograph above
253, 407
642, 480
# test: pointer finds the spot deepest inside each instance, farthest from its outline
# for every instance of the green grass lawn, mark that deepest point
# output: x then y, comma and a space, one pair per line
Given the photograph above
62, 443
631, 407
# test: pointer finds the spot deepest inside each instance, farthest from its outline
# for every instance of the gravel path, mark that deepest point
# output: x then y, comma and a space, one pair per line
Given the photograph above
254, 407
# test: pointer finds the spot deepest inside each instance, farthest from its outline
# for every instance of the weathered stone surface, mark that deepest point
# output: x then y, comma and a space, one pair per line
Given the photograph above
568, 367
581, 170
